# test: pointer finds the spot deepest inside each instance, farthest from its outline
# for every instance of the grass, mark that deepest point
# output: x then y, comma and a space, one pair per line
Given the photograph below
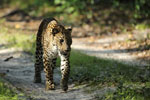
17, 40
130, 82
6, 93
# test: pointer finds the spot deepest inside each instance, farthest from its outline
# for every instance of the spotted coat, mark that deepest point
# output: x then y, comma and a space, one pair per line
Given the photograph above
52, 40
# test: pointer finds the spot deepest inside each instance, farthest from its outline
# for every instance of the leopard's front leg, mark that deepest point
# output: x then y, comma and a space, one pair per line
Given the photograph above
65, 70
48, 68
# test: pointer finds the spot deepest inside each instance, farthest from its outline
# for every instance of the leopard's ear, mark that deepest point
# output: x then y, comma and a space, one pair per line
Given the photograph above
69, 29
55, 31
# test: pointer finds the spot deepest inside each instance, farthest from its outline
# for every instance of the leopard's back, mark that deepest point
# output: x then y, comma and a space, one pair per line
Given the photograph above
40, 32
39, 39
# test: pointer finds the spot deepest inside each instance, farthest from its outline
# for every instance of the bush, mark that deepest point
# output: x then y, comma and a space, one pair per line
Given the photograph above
86, 8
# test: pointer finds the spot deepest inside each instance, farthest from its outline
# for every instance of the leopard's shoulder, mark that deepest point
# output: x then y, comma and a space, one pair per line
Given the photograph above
44, 25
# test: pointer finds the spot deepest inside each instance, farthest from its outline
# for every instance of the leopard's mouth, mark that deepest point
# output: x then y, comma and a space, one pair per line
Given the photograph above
65, 53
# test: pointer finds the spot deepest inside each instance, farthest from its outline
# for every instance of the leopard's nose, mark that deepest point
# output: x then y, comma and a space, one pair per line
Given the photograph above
68, 49
64, 53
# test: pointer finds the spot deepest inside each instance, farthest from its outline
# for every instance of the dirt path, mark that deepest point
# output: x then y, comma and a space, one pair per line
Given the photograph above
108, 48
20, 71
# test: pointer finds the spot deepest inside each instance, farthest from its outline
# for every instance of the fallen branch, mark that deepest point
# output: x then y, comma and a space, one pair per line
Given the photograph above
7, 59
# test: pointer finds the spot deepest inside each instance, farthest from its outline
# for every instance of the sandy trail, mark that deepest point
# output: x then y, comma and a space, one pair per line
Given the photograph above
97, 47
20, 71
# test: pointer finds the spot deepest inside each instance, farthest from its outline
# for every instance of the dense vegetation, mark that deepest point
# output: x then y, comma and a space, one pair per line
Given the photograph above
106, 16
139, 8
6, 93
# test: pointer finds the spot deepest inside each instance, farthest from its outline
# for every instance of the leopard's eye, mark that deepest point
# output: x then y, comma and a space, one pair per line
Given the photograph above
61, 40
55, 31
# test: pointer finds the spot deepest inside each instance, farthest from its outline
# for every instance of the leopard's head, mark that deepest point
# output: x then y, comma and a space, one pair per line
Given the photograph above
62, 38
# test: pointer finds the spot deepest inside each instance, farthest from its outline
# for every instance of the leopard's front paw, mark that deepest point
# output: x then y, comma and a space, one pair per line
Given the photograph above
50, 87
37, 80
64, 86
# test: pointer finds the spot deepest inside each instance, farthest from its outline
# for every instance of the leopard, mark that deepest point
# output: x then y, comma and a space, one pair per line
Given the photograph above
53, 40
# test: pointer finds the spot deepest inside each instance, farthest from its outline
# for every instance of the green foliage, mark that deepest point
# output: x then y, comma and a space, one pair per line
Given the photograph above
142, 26
6, 93
136, 91
25, 42
74, 6
131, 83
140, 8
4, 2
80, 8
29, 3
21, 41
